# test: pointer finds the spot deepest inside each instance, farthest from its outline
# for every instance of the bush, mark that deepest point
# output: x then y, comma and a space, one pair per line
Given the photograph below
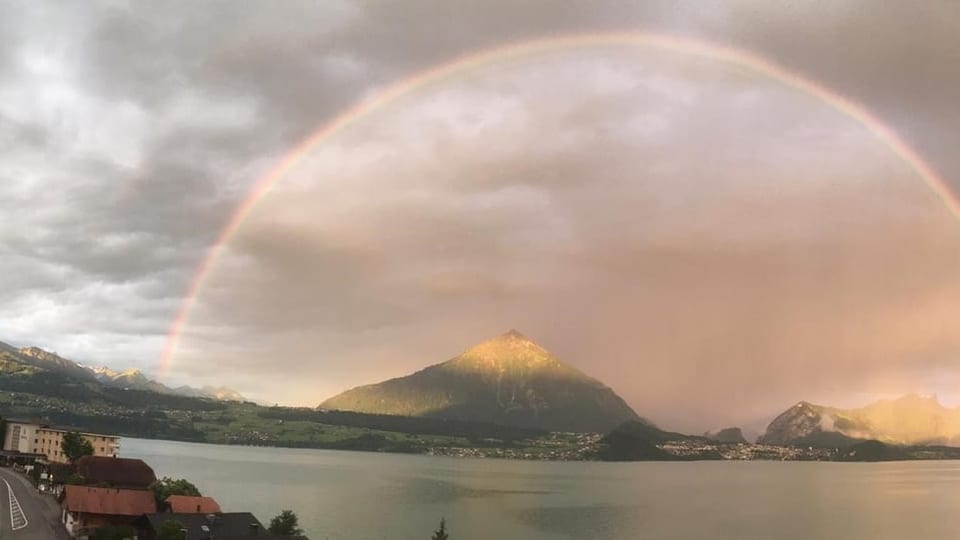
286, 523
441, 533
170, 530
167, 486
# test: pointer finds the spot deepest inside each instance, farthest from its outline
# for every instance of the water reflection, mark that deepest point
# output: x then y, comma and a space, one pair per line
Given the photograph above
430, 490
597, 522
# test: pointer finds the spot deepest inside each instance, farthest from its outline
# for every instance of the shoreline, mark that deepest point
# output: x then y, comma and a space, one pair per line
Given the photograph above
457, 453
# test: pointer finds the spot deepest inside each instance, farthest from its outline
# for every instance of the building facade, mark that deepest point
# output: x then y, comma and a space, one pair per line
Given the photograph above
38, 438
86, 509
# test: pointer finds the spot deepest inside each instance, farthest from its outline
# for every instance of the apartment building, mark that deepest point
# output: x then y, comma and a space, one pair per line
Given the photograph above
38, 438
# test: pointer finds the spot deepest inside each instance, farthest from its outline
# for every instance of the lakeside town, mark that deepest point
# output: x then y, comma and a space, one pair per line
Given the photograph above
64, 482
742, 451
583, 447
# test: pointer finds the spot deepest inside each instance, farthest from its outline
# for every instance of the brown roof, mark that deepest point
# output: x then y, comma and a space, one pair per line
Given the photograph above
108, 501
185, 504
119, 472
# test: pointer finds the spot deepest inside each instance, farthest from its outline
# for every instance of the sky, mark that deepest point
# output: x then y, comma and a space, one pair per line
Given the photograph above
713, 244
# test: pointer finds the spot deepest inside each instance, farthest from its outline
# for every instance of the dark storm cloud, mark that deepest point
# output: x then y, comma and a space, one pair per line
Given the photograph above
109, 200
132, 131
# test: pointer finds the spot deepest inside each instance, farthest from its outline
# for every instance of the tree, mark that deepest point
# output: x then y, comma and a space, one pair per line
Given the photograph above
35, 475
75, 446
73, 479
441, 533
167, 486
170, 530
286, 523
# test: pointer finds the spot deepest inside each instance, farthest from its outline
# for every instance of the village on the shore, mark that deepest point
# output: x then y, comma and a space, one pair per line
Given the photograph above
100, 495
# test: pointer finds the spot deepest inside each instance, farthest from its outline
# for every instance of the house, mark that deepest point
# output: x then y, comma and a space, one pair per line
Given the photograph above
87, 508
115, 472
35, 437
225, 526
185, 504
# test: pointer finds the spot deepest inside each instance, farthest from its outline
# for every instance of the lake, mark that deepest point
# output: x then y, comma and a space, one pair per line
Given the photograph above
368, 496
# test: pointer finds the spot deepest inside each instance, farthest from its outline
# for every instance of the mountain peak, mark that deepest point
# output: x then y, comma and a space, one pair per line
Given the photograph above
727, 435
508, 379
37, 352
514, 334
42, 359
908, 419
511, 338
506, 351
930, 399
804, 408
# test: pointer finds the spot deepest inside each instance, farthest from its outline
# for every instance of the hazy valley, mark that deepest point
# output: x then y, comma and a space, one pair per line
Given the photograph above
505, 397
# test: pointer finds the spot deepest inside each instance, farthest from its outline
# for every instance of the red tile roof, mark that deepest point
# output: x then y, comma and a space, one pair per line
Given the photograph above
108, 501
184, 504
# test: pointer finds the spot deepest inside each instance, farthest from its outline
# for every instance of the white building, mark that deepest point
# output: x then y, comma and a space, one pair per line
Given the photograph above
38, 438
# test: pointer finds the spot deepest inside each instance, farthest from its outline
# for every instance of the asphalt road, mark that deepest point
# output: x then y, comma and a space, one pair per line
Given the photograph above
27, 515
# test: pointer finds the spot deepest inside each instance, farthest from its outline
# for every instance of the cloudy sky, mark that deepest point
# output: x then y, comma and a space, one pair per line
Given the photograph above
710, 242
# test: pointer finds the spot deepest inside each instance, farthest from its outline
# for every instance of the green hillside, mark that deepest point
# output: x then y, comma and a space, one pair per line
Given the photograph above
635, 441
45, 386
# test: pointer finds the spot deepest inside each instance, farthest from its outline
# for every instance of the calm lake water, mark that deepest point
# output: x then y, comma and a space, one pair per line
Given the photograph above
361, 496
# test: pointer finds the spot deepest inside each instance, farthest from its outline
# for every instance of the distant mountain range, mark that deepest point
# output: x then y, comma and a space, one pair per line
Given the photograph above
134, 378
39, 359
507, 380
909, 420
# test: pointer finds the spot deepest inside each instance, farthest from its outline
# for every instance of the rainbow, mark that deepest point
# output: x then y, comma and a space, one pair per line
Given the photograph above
504, 53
